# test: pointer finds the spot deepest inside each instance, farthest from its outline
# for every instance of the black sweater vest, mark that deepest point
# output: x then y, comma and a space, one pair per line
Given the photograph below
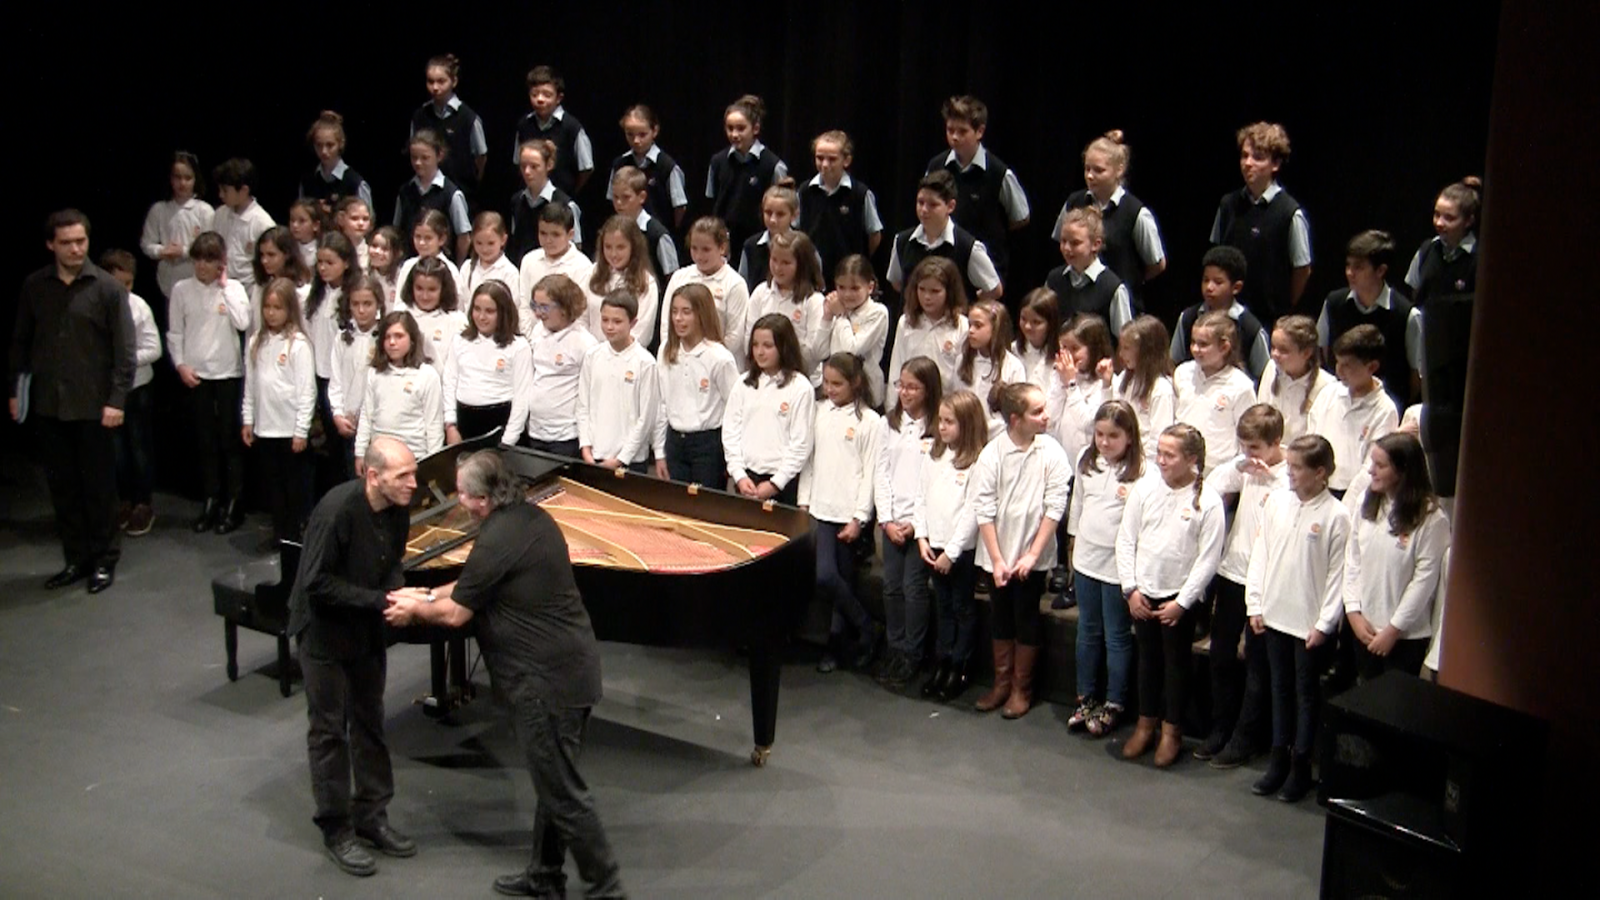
658, 187
739, 185
1121, 252
313, 186
836, 224
524, 222
413, 201
1440, 276
564, 134
1248, 325
978, 207
910, 252
1395, 368
1094, 297
456, 129
754, 260
1261, 233
654, 233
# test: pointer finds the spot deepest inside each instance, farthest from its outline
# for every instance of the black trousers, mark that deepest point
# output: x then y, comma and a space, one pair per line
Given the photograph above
790, 495
477, 421
1296, 690
1014, 609
344, 699
1254, 725
1407, 657
1165, 654
565, 817
1228, 622
567, 447
80, 466
286, 480
336, 464
135, 444
696, 458
216, 431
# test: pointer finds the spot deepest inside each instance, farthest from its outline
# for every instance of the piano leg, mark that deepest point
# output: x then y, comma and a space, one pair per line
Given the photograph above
764, 672
437, 704
460, 689
230, 641
285, 673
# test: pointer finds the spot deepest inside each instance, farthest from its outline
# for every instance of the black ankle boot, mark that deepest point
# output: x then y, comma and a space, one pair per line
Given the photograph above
1300, 782
955, 685
1277, 773
208, 515
230, 520
936, 681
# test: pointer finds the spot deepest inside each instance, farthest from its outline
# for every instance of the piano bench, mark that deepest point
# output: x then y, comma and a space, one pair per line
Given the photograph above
253, 595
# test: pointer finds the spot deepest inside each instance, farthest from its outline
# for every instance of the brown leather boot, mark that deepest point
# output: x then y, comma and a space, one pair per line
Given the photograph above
1171, 745
1021, 683
1004, 651
1143, 734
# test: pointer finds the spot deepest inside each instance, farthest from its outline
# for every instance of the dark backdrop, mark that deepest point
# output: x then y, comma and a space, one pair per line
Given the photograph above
1385, 104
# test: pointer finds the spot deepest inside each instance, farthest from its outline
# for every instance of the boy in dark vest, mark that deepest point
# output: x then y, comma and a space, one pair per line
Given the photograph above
1084, 284
630, 189
1222, 279
939, 235
992, 201
838, 213
536, 159
1370, 301
1266, 224
550, 121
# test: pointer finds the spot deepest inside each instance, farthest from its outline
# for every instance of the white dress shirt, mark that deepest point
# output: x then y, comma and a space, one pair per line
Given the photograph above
942, 514
1297, 564
1352, 426
1166, 547
618, 402
1072, 409
1288, 395
1094, 516
280, 387
732, 299
863, 331
942, 341
1253, 490
1038, 366
322, 328
478, 372
984, 376
170, 222
644, 324
553, 395
352, 362
536, 265
1213, 404
204, 321
694, 390
1393, 579
806, 317
439, 330
766, 429
1015, 489
836, 482
147, 340
902, 454
240, 231
406, 404
1155, 412
473, 274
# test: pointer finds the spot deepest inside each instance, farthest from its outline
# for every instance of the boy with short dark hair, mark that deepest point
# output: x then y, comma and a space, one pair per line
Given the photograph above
1266, 224
617, 391
1353, 414
939, 235
992, 200
555, 255
135, 441
838, 211
1222, 279
550, 121
537, 159
1369, 299
241, 221
629, 192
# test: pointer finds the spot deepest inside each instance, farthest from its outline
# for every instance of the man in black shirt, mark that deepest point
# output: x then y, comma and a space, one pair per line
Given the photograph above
74, 342
355, 544
518, 589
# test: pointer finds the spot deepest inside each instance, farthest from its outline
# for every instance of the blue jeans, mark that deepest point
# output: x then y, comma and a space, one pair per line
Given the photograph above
1105, 630
696, 458
836, 575
905, 597
958, 610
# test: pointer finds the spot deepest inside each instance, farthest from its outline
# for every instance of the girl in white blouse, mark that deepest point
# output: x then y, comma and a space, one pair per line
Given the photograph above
359, 311
947, 534
173, 224
623, 263
856, 322
1145, 382
987, 359
559, 346
766, 428
1038, 323
696, 375
792, 291
908, 435
488, 376
403, 395
934, 323
280, 394
1293, 379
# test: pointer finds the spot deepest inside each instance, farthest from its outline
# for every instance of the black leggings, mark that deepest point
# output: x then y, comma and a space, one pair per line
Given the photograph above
1165, 653
1407, 657
477, 421
1014, 610
216, 429
1227, 673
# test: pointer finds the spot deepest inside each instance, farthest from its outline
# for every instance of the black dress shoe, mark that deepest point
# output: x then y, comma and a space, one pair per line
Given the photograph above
208, 515
101, 578
230, 520
935, 683
955, 685
520, 885
1300, 782
388, 841
350, 856
66, 576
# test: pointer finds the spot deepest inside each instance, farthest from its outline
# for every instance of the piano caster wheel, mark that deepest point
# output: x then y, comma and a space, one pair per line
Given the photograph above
758, 756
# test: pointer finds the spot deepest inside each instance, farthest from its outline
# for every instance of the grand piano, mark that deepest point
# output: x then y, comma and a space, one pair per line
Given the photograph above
658, 563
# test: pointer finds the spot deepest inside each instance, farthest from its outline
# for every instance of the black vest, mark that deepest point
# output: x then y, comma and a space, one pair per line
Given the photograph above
658, 186
1261, 233
1248, 325
754, 260
654, 233
1395, 368
1120, 253
314, 187
456, 129
524, 222
910, 252
1440, 276
563, 133
413, 202
836, 224
978, 207
1094, 297
739, 186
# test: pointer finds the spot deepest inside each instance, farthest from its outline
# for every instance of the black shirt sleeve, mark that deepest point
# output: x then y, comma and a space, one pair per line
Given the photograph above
327, 542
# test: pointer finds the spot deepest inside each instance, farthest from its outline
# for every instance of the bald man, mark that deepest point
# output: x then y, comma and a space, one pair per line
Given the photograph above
355, 544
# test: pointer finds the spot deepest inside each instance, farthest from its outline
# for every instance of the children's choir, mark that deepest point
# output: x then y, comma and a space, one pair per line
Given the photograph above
1071, 432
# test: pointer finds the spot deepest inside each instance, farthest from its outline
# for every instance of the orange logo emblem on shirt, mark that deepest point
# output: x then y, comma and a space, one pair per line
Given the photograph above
500, 364
222, 309
1403, 541
949, 346
408, 387
1185, 513
283, 358
961, 477
558, 359
1222, 403
628, 376
705, 384
438, 334
1122, 492
797, 313
1364, 430
1316, 528
849, 434
783, 408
